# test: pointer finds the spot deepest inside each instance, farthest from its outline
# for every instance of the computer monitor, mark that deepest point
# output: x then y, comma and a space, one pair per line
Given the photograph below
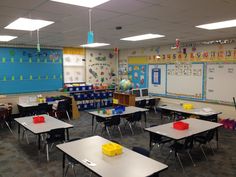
145, 92
136, 92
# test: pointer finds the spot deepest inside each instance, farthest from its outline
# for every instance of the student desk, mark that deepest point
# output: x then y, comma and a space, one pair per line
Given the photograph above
205, 115
40, 128
145, 98
196, 126
88, 152
128, 110
29, 108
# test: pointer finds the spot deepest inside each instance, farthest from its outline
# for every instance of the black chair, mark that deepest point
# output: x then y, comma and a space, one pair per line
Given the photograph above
205, 139
133, 119
5, 118
54, 136
156, 139
112, 122
99, 121
43, 108
71, 162
63, 108
142, 151
181, 148
152, 103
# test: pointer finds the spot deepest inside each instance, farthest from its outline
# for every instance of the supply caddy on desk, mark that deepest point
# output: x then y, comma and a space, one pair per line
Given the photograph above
38, 119
187, 106
111, 149
180, 125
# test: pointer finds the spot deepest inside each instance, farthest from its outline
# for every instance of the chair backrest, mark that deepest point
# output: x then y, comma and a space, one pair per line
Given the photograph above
151, 102
43, 108
142, 103
115, 120
4, 113
100, 119
188, 143
210, 135
61, 105
142, 151
137, 116
57, 134
155, 138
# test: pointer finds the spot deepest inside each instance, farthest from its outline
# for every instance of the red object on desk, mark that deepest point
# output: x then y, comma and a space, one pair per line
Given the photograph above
38, 119
180, 125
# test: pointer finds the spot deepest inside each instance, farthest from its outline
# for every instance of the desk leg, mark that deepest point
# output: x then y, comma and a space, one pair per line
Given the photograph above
67, 134
217, 138
150, 142
39, 142
63, 164
92, 124
145, 119
18, 132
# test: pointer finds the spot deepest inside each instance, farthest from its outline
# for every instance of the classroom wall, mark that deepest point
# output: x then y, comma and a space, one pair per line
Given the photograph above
101, 66
201, 53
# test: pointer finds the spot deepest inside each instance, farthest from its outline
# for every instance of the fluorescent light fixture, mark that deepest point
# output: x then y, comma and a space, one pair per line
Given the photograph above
218, 25
142, 37
92, 45
6, 38
84, 3
27, 24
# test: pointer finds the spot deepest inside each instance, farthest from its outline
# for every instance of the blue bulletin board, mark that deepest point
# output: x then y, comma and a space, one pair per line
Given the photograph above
26, 70
138, 75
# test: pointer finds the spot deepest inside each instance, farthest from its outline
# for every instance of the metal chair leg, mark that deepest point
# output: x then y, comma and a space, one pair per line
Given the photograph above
68, 115
67, 167
203, 152
120, 131
9, 127
213, 152
73, 168
47, 151
108, 132
130, 126
180, 162
191, 158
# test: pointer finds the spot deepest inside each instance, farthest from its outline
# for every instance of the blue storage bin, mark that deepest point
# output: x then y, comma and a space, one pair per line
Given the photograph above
91, 95
70, 89
110, 94
85, 96
97, 95
80, 106
88, 87
104, 95
82, 88
86, 106
76, 88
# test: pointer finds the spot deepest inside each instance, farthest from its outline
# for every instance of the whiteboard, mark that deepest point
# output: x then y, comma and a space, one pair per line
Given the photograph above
157, 88
220, 82
185, 80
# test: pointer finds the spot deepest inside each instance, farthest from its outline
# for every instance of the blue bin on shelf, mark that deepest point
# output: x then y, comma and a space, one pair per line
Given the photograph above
110, 94
104, 95
80, 106
70, 89
76, 88
91, 95
97, 95
85, 96
88, 87
82, 88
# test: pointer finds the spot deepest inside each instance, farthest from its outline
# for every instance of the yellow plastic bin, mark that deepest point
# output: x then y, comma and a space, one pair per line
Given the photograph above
111, 149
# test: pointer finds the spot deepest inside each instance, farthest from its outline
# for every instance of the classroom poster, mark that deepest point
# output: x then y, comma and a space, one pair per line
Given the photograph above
138, 75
